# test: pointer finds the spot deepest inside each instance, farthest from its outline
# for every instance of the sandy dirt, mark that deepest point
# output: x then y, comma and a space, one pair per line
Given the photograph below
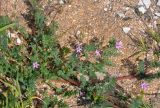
94, 18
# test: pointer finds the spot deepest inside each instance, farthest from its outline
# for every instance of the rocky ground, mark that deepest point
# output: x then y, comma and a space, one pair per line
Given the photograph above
103, 19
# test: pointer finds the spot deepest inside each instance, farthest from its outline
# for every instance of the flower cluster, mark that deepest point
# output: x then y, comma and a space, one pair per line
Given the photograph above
35, 65
79, 48
144, 85
119, 45
97, 53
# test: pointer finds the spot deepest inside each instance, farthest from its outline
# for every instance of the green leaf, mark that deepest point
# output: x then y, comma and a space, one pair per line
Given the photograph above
137, 103
4, 20
110, 52
65, 51
112, 43
4, 43
90, 47
7, 26
52, 28
83, 81
103, 104
155, 35
59, 90
141, 68
39, 19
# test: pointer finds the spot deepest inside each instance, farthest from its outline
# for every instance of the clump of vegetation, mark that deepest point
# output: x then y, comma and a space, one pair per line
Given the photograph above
148, 54
139, 103
25, 58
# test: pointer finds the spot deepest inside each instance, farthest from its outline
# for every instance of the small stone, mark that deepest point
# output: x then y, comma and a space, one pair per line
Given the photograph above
127, 8
155, 24
18, 41
61, 2
78, 33
157, 14
126, 29
158, 3
121, 15
144, 3
105, 9
142, 9
155, 17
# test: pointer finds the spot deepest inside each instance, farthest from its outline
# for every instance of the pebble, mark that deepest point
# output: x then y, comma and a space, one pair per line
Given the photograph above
105, 9
155, 17
78, 33
61, 2
142, 9
144, 5
158, 3
18, 41
121, 15
157, 14
127, 8
126, 29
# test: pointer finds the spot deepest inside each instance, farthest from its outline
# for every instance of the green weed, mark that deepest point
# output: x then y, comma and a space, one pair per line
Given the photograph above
40, 56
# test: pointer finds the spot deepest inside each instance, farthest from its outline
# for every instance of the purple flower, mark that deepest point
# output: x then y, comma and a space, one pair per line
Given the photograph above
118, 45
144, 85
35, 65
97, 53
79, 48
82, 93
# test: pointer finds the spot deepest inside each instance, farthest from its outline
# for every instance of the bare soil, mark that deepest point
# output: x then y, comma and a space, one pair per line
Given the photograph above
95, 18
